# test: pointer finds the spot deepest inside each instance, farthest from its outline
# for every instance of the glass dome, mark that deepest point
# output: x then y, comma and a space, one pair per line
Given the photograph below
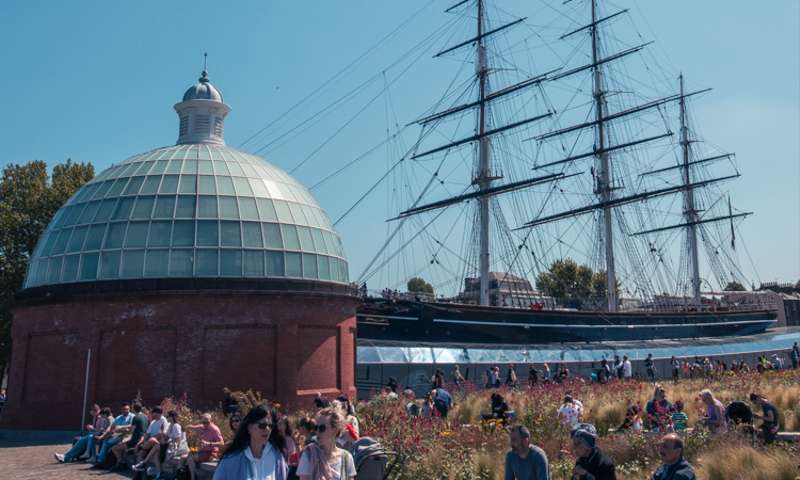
189, 210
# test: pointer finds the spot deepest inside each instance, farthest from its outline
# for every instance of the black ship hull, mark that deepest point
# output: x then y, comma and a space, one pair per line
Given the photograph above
409, 321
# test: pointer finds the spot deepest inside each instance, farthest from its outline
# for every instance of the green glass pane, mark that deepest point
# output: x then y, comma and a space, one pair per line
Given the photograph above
225, 186
293, 265
247, 208
284, 216
137, 234
275, 264
181, 263
169, 184
51, 240
118, 187
109, 264
207, 207
183, 233
242, 187
115, 235
248, 170
253, 263
230, 234
151, 184
319, 243
267, 210
235, 170
251, 234
174, 166
143, 208
207, 233
156, 263
297, 213
165, 206
258, 187
228, 207
207, 185
134, 185
159, 167
89, 266
144, 168
272, 235
306, 243
310, 266
89, 212
160, 233
123, 209
54, 269
185, 208
61, 242
132, 263
207, 263
324, 267
103, 189
76, 240
220, 168
188, 184
290, 238
204, 167
71, 263
190, 166
231, 263
94, 239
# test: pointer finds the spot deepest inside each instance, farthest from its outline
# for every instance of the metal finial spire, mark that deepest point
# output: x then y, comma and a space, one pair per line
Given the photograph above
204, 75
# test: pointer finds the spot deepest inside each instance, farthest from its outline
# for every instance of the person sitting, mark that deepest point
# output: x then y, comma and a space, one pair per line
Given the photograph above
149, 449
658, 410
255, 453
525, 461
428, 406
769, 419
715, 416
592, 463
86, 442
114, 434
137, 429
412, 409
633, 421
324, 460
210, 441
679, 417
673, 465
175, 447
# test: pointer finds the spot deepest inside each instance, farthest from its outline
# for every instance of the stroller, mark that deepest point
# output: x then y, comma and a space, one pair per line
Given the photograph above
740, 418
371, 459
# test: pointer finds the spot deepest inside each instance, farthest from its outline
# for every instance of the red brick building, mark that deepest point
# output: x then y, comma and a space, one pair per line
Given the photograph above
182, 270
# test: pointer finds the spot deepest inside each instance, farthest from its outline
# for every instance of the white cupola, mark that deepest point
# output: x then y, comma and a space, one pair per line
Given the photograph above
202, 114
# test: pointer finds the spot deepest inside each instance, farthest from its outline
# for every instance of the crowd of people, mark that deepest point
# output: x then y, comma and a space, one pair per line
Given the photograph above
265, 444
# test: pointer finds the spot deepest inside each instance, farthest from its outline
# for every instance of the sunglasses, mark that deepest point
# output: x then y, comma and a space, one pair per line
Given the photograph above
321, 428
264, 425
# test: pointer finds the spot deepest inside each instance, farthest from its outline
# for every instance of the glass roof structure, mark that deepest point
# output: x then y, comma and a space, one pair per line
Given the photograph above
377, 353
189, 210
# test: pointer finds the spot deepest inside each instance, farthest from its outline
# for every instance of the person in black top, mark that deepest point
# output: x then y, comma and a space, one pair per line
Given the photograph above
769, 421
499, 409
592, 464
137, 429
533, 376
648, 364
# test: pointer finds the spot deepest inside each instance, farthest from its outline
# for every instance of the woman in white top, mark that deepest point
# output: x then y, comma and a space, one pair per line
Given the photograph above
324, 460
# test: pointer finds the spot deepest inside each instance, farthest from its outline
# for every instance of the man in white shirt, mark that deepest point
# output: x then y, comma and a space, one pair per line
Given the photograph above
627, 368
154, 436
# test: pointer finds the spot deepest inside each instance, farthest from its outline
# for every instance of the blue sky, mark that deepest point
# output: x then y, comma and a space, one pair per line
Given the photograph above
96, 81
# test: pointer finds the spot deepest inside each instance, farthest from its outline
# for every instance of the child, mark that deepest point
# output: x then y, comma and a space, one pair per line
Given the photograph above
679, 417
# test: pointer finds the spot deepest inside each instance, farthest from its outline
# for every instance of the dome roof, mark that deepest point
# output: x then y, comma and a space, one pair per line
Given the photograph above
203, 90
189, 210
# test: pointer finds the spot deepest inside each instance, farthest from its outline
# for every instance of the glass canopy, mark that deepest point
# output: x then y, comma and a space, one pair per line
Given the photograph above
194, 210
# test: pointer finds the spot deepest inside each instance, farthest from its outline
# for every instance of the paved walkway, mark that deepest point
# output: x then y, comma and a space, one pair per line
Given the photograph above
37, 462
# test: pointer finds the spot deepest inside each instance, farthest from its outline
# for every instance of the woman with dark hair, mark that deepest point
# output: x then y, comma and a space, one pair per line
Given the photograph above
255, 453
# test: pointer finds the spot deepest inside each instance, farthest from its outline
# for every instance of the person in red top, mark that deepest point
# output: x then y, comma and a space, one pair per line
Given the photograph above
210, 441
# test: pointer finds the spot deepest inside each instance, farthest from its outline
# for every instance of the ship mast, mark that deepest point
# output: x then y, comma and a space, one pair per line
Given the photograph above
689, 211
603, 186
483, 179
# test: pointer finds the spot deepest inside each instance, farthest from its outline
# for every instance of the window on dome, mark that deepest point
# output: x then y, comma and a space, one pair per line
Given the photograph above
160, 166
159, 234
137, 234
71, 263
124, 207
156, 263
242, 186
89, 266
247, 208
116, 234
95, 237
294, 267
132, 263
207, 185
236, 171
188, 184
190, 167
319, 242
207, 262
324, 267
230, 234
118, 187
297, 213
272, 235
225, 186
89, 212
220, 168
284, 216
143, 208
169, 184
165, 205
207, 233
306, 243
204, 167
290, 238
54, 269
133, 186
258, 187
174, 165
185, 207
253, 263
310, 266
183, 233
109, 264
266, 210
181, 263
231, 263
275, 264
228, 207
76, 240
251, 234
144, 168
151, 183
207, 207
61, 242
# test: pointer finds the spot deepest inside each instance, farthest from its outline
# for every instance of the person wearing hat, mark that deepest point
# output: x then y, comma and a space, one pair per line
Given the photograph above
592, 463
674, 466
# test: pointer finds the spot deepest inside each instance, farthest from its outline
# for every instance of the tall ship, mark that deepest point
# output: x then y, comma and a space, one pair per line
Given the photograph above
588, 177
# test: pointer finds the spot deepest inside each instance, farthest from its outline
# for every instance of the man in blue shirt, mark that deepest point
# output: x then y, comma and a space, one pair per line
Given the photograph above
525, 461
114, 434
442, 401
674, 466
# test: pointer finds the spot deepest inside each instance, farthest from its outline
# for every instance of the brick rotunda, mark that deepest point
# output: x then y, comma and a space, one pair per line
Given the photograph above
182, 270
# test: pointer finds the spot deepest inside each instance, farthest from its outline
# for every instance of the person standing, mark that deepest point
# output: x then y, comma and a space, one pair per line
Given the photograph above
324, 460
769, 419
511, 377
627, 368
533, 376
525, 461
592, 463
648, 365
794, 355
569, 413
255, 453
546, 373
676, 368
458, 378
